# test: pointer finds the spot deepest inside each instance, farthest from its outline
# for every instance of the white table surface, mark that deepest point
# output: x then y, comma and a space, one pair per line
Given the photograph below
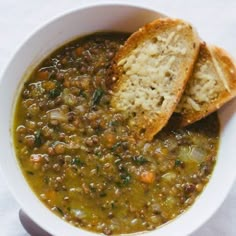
216, 23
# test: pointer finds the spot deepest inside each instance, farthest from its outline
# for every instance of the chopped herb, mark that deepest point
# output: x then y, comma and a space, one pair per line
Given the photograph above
125, 177
97, 95
29, 172
139, 160
76, 161
98, 154
54, 93
38, 139
179, 163
60, 210
115, 146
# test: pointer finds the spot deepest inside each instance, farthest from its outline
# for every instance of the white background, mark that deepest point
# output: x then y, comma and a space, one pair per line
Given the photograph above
216, 23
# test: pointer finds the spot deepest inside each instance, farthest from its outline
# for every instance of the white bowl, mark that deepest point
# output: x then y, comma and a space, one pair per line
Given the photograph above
100, 17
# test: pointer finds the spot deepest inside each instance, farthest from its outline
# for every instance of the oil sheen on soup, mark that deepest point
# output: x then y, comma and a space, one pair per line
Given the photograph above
80, 158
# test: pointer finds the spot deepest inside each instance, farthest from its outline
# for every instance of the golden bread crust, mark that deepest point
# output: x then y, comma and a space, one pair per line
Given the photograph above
224, 74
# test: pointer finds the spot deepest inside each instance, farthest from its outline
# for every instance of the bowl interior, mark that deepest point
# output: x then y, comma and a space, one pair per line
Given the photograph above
103, 17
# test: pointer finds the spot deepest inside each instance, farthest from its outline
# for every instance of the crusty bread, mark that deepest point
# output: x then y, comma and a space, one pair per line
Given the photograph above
151, 71
212, 84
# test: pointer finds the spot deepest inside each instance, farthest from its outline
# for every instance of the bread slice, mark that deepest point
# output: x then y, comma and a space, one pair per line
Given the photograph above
151, 71
211, 85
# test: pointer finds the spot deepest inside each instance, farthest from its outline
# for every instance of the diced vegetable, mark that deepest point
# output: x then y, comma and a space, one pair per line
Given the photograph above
147, 177
57, 114
170, 176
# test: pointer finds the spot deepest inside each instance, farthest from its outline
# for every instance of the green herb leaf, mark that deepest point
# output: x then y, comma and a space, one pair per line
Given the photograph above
125, 177
76, 161
54, 93
178, 163
115, 146
139, 160
38, 139
60, 210
97, 95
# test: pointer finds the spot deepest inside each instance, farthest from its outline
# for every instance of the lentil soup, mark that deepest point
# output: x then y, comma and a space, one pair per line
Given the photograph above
80, 158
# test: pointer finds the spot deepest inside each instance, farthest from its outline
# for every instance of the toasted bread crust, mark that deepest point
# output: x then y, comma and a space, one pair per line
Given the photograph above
151, 120
225, 74
138, 37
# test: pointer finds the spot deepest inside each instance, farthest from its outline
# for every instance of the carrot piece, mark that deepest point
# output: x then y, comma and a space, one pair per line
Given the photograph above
147, 177
79, 51
43, 75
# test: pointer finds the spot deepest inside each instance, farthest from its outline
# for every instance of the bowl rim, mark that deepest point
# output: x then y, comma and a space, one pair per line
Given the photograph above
45, 24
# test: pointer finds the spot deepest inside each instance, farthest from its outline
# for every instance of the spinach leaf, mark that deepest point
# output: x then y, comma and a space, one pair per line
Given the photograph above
125, 177
76, 161
115, 146
178, 162
139, 160
97, 95
56, 91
